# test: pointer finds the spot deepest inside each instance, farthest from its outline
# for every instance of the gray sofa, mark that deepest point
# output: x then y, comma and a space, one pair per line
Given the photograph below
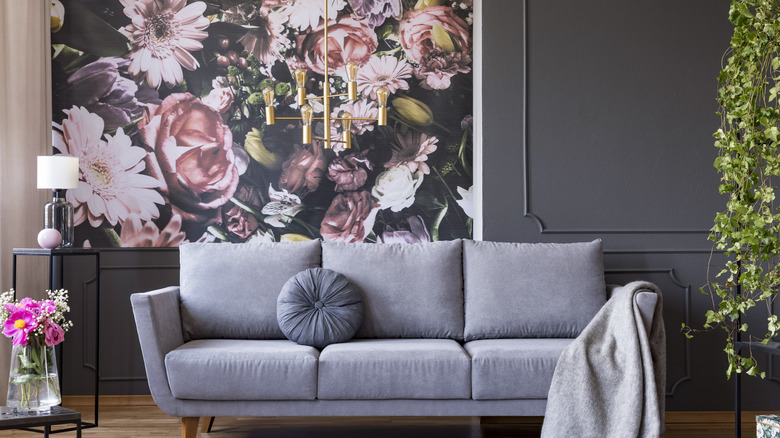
457, 328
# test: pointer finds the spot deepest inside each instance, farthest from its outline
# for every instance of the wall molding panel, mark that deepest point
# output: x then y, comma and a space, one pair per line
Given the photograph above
600, 151
686, 292
540, 223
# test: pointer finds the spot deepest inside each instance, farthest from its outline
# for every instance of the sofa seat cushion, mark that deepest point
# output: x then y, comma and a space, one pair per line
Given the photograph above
237, 369
383, 369
409, 290
503, 369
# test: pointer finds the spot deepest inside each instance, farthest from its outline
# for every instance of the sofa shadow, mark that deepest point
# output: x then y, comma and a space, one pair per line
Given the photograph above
384, 431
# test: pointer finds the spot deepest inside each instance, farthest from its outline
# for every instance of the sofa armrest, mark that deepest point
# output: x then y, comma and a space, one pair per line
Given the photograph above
645, 302
612, 288
158, 322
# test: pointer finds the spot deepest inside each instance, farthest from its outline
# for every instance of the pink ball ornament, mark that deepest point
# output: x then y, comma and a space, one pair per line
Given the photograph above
49, 238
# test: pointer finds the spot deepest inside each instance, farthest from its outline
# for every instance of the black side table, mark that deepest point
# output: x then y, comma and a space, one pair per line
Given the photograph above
9, 419
57, 256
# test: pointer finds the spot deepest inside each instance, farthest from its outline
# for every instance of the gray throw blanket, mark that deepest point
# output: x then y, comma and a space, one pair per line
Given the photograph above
610, 382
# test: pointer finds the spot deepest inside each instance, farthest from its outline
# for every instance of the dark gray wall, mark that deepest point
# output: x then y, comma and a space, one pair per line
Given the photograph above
611, 139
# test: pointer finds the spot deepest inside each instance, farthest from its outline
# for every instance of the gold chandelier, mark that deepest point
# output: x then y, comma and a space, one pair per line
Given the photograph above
307, 112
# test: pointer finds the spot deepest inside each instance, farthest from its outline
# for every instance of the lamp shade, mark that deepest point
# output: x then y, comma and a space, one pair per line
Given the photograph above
58, 172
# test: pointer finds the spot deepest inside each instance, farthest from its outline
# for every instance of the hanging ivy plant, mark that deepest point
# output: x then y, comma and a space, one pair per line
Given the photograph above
748, 231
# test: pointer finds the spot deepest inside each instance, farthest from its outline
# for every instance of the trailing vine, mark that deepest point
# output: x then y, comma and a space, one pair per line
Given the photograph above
748, 142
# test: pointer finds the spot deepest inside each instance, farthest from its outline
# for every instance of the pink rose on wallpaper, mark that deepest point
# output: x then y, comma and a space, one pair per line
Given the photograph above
192, 155
417, 37
303, 171
219, 99
439, 41
349, 172
237, 220
437, 67
349, 218
350, 39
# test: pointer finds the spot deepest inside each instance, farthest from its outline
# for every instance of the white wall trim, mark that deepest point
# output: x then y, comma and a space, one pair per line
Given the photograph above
477, 124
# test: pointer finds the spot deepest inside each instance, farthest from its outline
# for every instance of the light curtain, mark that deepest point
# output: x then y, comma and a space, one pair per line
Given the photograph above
25, 132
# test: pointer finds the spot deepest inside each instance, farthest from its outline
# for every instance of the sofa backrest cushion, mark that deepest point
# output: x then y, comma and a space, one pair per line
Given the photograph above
409, 290
230, 290
531, 290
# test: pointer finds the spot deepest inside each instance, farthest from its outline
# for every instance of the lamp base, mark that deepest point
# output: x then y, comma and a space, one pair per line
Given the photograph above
58, 214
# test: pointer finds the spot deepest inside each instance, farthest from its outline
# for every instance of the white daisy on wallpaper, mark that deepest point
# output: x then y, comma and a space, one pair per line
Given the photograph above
306, 14
162, 35
411, 149
359, 109
383, 71
111, 185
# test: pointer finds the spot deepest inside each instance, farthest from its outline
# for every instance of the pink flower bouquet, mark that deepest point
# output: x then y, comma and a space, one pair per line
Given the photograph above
34, 327
30, 321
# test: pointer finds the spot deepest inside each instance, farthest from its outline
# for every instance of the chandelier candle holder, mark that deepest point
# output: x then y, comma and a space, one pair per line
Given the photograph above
307, 112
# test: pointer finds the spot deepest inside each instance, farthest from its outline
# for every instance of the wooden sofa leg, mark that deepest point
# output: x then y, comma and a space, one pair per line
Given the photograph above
189, 427
206, 423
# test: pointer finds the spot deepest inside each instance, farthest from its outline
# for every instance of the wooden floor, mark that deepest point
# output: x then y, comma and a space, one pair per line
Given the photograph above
124, 417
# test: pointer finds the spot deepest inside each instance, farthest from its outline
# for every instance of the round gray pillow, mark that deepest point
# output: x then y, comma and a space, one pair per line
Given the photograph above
318, 307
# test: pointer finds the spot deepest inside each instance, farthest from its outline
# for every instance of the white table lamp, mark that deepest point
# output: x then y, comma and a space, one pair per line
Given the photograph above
58, 173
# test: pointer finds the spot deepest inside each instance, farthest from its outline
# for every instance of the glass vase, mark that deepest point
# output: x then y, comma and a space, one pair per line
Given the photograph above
58, 214
33, 383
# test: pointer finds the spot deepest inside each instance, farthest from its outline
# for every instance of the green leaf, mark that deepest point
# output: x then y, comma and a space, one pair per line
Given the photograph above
230, 30
437, 222
85, 31
218, 233
24, 379
427, 200
744, 10
772, 132
248, 208
111, 235
384, 31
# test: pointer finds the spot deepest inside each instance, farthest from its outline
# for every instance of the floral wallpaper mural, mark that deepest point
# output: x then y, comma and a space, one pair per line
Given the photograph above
162, 102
